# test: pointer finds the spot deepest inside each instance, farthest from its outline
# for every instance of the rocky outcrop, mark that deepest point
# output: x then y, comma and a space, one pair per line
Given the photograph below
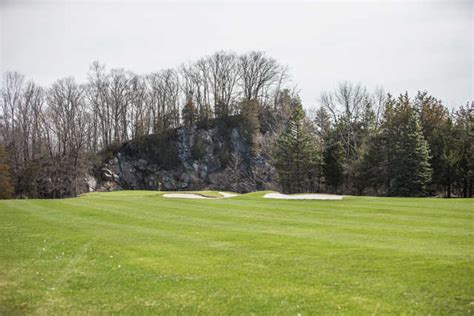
190, 159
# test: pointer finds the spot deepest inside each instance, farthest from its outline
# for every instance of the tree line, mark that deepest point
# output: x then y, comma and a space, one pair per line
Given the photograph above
365, 143
354, 142
51, 134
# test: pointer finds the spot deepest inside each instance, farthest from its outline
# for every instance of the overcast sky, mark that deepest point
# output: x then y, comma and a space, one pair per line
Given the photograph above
401, 46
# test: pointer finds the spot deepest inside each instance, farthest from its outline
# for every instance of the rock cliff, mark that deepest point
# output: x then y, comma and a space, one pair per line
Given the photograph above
194, 158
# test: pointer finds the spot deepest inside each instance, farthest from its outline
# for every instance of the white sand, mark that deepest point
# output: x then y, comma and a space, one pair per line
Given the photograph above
274, 195
185, 196
227, 195
312, 196
197, 196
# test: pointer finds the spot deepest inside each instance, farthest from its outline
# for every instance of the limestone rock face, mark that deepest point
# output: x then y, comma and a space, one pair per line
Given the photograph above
189, 159
91, 183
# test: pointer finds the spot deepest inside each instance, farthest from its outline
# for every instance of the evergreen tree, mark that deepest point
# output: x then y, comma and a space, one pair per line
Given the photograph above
333, 171
434, 119
6, 188
373, 168
410, 170
397, 160
464, 150
295, 155
322, 120
450, 158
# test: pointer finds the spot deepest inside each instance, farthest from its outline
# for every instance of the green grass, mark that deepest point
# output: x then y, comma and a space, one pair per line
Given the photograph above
139, 253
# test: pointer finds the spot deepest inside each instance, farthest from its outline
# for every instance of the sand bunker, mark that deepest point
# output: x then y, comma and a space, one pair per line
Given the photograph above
227, 195
274, 195
197, 196
185, 196
311, 196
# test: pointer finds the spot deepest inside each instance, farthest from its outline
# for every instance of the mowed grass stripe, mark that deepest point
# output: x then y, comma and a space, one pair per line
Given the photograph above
363, 238
386, 235
222, 216
238, 209
231, 224
137, 252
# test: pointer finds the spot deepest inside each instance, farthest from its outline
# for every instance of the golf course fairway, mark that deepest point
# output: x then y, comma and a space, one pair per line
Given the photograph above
136, 252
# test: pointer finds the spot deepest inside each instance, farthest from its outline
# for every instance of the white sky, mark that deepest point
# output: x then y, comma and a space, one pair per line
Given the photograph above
399, 45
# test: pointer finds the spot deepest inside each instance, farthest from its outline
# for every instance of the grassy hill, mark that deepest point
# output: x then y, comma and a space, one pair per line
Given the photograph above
135, 252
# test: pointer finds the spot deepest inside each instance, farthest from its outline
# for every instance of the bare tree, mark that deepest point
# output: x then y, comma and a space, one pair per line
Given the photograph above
224, 74
52, 130
347, 105
11, 100
257, 73
69, 118
30, 112
195, 84
118, 100
166, 98
99, 105
139, 114
379, 100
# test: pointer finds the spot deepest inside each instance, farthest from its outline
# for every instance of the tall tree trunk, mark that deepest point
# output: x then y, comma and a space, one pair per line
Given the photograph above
448, 186
464, 188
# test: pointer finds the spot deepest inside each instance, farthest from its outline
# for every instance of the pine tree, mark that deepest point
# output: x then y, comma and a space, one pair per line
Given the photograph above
333, 170
295, 155
373, 168
397, 160
464, 150
450, 157
6, 188
322, 119
434, 118
410, 170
